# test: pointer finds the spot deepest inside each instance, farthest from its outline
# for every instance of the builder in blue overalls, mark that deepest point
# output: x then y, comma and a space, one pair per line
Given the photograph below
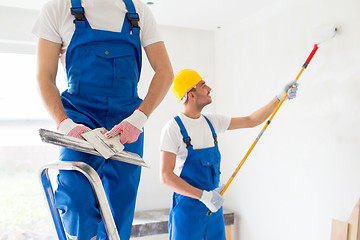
190, 158
100, 43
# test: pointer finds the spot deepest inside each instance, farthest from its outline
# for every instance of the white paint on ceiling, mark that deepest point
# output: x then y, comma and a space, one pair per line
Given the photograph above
199, 14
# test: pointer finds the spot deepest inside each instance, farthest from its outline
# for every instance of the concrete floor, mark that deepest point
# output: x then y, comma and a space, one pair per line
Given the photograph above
23, 208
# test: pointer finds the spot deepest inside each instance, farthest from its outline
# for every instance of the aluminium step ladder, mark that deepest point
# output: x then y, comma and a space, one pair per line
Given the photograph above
98, 190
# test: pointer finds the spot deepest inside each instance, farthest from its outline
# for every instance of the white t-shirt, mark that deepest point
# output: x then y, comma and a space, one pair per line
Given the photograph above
197, 129
55, 22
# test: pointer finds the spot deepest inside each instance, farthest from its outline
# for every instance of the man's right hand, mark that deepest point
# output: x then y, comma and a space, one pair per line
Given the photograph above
68, 127
291, 92
213, 200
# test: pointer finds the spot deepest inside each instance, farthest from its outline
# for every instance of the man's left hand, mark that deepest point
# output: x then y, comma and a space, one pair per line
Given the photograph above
130, 128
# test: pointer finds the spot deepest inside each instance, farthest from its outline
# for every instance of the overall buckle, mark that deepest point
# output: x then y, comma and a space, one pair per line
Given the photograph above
215, 138
134, 19
78, 12
187, 141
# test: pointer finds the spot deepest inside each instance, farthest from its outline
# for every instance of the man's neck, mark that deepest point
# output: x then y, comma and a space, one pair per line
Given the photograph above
192, 113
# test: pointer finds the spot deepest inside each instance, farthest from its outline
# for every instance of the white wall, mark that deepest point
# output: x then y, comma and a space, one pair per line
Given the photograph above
305, 170
187, 49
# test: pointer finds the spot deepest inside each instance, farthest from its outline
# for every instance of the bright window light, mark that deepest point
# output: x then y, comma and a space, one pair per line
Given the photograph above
19, 97
22, 111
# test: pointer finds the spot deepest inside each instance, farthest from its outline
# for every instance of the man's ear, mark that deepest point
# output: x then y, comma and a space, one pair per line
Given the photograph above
191, 95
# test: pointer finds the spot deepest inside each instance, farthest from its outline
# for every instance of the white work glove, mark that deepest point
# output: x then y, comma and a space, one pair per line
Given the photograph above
130, 128
212, 200
68, 127
291, 93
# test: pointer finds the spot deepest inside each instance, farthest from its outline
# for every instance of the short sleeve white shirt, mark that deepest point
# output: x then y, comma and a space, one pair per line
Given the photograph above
199, 132
55, 22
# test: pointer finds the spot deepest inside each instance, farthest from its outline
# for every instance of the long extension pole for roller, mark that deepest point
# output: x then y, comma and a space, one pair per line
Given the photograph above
266, 124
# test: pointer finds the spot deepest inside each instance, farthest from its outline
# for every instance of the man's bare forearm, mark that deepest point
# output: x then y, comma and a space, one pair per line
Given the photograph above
48, 58
255, 118
174, 182
263, 113
158, 89
51, 98
162, 78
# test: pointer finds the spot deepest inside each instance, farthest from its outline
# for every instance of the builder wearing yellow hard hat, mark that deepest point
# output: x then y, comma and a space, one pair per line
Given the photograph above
184, 81
190, 157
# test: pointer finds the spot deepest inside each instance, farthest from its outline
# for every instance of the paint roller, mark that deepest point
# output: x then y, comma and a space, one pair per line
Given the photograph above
321, 34
324, 33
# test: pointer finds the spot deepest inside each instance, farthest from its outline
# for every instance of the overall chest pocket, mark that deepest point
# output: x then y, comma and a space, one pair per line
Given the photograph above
117, 67
212, 165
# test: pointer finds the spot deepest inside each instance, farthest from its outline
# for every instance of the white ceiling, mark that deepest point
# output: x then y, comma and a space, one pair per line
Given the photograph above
205, 14
201, 14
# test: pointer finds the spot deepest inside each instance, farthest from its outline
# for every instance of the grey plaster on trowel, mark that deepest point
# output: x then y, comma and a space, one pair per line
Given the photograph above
83, 146
107, 147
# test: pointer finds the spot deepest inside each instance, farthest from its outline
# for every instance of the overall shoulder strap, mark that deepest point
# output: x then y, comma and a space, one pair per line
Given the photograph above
79, 13
133, 17
186, 138
212, 130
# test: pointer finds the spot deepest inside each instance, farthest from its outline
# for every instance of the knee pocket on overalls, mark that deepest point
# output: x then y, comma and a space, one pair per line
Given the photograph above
74, 191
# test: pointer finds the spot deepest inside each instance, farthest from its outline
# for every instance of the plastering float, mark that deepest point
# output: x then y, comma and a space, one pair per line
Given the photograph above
107, 147
84, 146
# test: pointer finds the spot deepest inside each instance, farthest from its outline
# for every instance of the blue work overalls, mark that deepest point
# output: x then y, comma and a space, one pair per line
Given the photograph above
188, 219
103, 70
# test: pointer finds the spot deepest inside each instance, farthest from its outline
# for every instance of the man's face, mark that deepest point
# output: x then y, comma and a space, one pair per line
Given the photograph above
202, 94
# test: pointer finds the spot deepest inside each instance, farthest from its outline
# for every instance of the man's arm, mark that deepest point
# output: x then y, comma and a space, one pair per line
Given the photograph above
162, 78
168, 178
48, 58
255, 118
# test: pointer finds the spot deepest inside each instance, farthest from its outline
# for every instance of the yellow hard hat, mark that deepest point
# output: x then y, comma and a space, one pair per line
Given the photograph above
184, 81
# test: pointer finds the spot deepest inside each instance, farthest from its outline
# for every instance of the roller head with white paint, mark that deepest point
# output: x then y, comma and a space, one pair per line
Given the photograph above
324, 33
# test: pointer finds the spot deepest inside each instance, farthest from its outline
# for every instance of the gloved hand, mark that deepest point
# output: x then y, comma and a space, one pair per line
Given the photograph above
212, 200
130, 128
291, 93
68, 127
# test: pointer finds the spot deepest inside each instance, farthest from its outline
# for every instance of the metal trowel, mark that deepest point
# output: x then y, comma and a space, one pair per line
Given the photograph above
107, 147
82, 145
